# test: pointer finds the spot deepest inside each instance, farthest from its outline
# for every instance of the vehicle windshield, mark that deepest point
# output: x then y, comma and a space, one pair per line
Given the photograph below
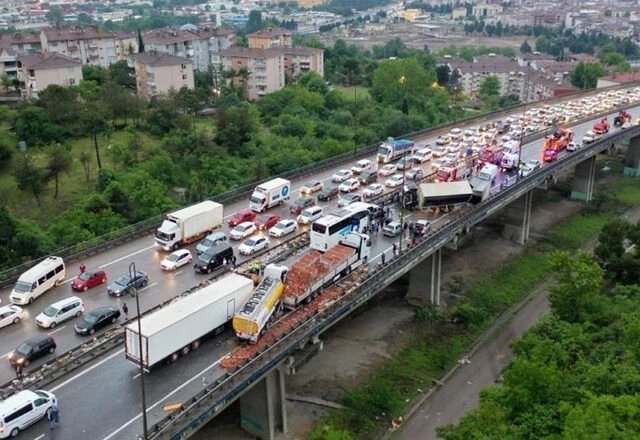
264, 218
383, 151
22, 287
372, 187
250, 242
282, 225
84, 276
163, 236
207, 243
50, 311
173, 257
309, 185
23, 349
443, 173
90, 318
122, 281
241, 228
255, 199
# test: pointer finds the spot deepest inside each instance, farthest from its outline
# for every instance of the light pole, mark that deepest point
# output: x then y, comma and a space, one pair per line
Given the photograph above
355, 120
134, 290
404, 168
524, 115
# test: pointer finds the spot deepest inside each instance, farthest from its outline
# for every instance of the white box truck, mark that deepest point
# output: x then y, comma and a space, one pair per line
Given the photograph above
269, 194
180, 327
189, 224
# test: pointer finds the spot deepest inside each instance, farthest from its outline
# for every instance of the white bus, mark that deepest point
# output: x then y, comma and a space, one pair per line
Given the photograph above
327, 231
49, 273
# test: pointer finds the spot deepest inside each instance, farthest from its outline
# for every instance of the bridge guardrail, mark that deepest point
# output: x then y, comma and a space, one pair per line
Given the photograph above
131, 232
214, 398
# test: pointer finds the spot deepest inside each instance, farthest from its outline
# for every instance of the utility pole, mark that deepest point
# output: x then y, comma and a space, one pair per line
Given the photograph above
524, 115
145, 429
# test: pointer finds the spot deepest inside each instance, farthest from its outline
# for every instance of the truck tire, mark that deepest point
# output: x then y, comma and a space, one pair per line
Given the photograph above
176, 246
185, 350
195, 344
174, 357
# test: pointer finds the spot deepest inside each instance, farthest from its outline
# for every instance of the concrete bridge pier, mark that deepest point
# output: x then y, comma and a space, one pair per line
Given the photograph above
263, 407
632, 162
424, 281
517, 220
584, 180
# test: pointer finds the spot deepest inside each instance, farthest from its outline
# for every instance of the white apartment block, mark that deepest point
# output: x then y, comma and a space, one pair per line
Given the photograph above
37, 72
196, 43
257, 71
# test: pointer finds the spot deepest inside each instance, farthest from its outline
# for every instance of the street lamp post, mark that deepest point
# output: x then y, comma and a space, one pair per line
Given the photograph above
404, 167
355, 120
524, 115
145, 430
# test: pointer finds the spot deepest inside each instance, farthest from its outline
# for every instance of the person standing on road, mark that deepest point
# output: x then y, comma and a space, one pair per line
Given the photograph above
383, 258
125, 310
83, 268
233, 261
53, 416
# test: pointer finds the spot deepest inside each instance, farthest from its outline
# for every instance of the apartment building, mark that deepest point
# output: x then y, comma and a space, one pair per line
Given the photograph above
157, 73
37, 72
197, 43
269, 38
257, 71
300, 60
89, 45
22, 42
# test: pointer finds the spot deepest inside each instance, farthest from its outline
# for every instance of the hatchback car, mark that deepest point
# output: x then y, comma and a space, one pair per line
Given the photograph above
361, 166
124, 285
310, 215
349, 185
373, 190
243, 230
348, 199
328, 194
32, 349
394, 181
88, 279
265, 221
311, 187
246, 215
60, 311
392, 229
97, 319
298, 205
11, 315
368, 177
415, 174
253, 245
387, 170
176, 259
341, 176
422, 227
283, 227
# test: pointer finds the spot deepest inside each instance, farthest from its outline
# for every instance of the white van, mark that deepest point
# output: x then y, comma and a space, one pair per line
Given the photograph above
22, 410
60, 312
309, 215
422, 155
49, 273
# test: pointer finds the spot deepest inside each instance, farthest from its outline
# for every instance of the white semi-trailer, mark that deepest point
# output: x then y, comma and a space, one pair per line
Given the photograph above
180, 327
189, 224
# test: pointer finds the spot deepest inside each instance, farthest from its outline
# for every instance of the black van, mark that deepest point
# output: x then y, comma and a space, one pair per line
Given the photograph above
32, 349
214, 258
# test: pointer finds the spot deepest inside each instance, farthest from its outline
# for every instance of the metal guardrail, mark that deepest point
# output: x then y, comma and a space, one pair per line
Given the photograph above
131, 232
214, 398
78, 356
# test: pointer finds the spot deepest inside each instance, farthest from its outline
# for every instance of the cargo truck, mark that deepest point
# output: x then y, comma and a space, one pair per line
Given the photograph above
481, 184
189, 224
444, 195
176, 329
254, 316
394, 148
269, 194
453, 173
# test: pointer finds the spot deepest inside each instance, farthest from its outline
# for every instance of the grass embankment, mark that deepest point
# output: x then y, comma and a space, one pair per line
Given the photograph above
439, 343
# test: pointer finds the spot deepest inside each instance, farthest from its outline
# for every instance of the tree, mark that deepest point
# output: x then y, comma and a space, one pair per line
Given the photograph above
401, 84
123, 75
525, 47
55, 17
29, 177
489, 92
586, 75
254, 22
94, 122
85, 160
96, 74
443, 74
34, 126
59, 161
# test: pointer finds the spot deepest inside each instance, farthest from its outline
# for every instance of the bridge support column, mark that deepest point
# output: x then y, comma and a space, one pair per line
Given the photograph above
584, 179
518, 219
632, 162
424, 281
263, 407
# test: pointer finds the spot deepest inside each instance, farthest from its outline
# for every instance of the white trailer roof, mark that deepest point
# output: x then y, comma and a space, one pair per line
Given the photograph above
184, 307
445, 188
196, 209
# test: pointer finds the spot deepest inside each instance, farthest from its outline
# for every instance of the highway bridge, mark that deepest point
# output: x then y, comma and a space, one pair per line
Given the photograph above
100, 399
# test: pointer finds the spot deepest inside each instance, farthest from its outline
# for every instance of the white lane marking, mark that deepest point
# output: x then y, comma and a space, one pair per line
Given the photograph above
68, 281
136, 376
196, 376
7, 354
127, 256
82, 373
148, 286
39, 437
57, 330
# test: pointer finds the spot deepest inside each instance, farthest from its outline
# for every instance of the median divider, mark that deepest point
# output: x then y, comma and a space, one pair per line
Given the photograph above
132, 232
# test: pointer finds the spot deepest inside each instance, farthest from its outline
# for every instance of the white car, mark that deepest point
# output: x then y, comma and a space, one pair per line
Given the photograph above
627, 124
529, 167
375, 189
442, 140
11, 315
361, 166
341, 176
176, 259
243, 230
394, 181
283, 227
387, 170
349, 185
414, 174
253, 245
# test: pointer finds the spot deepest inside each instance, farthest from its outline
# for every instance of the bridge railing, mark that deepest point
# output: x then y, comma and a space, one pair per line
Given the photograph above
214, 398
145, 227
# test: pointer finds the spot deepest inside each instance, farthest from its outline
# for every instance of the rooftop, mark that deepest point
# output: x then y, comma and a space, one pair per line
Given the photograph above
49, 60
84, 33
269, 32
159, 59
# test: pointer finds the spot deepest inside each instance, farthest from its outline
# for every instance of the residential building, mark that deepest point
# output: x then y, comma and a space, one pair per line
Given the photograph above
411, 14
37, 72
270, 37
310, 3
619, 78
126, 45
484, 9
258, 71
458, 13
22, 42
89, 45
157, 73
300, 60
8, 62
198, 44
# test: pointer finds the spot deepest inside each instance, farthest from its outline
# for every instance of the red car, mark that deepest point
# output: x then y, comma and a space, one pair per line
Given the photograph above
246, 215
88, 279
266, 221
